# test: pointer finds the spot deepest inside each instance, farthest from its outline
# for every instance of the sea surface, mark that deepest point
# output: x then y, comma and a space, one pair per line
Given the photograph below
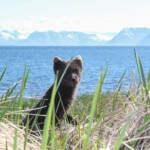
39, 61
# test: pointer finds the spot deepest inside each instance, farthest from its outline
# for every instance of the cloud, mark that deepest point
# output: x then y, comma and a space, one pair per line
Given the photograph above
7, 35
81, 23
85, 23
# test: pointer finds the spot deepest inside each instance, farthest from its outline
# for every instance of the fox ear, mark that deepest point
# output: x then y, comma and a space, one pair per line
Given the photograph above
78, 59
58, 62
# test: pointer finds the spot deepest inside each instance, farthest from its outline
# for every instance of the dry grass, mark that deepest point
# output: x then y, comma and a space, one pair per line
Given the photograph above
104, 134
7, 134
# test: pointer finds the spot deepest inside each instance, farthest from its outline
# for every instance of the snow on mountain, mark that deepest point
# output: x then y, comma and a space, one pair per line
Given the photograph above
62, 38
106, 36
7, 36
129, 36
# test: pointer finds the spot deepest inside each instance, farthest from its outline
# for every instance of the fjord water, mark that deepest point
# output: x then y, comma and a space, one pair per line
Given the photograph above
40, 62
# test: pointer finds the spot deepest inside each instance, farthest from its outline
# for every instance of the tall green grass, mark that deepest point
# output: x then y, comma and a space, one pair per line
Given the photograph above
49, 119
92, 111
93, 108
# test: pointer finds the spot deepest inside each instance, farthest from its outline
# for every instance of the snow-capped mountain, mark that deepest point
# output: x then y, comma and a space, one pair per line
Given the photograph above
62, 38
130, 36
11, 37
126, 37
50, 38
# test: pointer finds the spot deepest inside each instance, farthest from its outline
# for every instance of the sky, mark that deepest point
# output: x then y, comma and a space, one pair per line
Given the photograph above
91, 16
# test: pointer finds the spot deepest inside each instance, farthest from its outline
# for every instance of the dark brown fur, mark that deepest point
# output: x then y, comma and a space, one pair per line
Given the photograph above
66, 93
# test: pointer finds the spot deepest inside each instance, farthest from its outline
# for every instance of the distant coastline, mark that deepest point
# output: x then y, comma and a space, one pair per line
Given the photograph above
126, 37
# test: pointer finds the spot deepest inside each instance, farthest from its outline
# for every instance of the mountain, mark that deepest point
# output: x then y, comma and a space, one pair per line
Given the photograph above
11, 37
62, 38
7, 38
145, 41
50, 38
126, 37
130, 36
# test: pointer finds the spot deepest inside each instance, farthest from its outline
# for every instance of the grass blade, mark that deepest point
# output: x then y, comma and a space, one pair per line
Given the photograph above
24, 81
120, 138
148, 80
2, 75
48, 119
93, 108
137, 62
142, 74
26, 134
6, 147
15, 140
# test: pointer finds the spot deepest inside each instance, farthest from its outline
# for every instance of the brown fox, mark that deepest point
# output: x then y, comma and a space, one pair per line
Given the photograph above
64, 97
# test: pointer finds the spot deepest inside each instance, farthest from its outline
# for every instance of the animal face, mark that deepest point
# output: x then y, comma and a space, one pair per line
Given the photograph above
73, 74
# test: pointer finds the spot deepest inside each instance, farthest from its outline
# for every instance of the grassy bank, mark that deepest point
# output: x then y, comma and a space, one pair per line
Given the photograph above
110, 120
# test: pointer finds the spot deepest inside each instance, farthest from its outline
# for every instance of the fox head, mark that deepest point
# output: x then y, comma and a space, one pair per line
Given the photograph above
73, 74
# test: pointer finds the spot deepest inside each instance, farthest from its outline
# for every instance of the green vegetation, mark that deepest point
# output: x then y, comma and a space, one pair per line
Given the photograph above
111, 120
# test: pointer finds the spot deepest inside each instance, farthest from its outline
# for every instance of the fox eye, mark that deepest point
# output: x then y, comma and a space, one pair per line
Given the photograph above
75, 70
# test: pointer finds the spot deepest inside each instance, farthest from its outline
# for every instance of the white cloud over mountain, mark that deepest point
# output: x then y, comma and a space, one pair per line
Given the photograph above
83, 23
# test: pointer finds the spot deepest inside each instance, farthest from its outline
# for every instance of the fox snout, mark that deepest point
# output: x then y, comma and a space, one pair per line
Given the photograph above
74, 78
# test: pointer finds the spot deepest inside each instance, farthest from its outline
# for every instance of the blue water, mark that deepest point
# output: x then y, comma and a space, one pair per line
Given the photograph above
40, 62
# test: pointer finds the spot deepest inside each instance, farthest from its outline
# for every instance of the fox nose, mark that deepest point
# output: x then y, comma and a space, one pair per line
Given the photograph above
73, 79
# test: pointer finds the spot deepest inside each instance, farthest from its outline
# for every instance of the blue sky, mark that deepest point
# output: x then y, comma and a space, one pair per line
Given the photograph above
76, 15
